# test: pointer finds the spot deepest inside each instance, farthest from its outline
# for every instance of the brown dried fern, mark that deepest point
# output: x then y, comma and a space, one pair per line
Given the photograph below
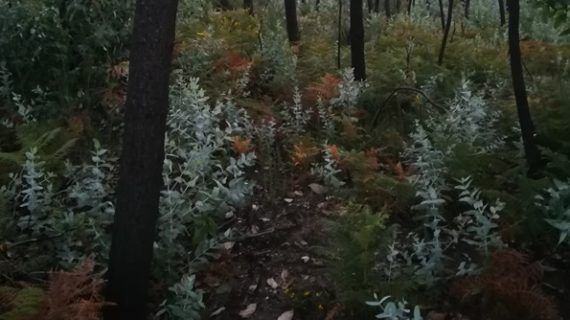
74, 295
514, 281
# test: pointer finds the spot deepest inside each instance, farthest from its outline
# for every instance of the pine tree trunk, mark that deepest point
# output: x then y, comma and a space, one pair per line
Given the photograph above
467, 4
369, 5
502, 12
377, 6
291, 18
387, 8
357, 40
532, 153
317, 5
142, 158
445, 32
410, 2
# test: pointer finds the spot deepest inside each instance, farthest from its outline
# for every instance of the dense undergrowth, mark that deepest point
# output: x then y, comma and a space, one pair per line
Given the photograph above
433, 207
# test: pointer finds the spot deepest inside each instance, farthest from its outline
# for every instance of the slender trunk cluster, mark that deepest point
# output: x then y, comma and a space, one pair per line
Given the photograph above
502, 12
291, 18
532, 153
142, 158
357, 39
339, 35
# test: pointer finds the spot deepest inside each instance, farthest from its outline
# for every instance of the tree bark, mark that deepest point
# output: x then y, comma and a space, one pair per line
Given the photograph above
224, 4
357, 40
377, 6
445, 32
369, 5
467, 4
532, 153
387, 8
410, 3
142, 158
317, 5
502, 12
291, 18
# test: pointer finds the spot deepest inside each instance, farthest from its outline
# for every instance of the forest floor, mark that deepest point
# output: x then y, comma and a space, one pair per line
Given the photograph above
277, 263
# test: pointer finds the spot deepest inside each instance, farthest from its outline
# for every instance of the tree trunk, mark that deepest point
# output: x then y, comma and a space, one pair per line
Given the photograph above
339, 35
224, 4
317, 5
467, 4
532, 153
248, 5
502, 12
387, 8
357, 40
292, 24
445, 32
441, 15
142, 158
410, 2
369, 5
376, 6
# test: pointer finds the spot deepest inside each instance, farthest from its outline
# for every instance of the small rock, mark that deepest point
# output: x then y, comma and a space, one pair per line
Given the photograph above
288, 200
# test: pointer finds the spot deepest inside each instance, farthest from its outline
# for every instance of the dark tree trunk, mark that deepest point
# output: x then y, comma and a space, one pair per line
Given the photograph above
369, 5
317, 5
248, 5
387, 8
339, 35
445, 32
376, 6
398, 5
292, 24
441, 15
224, 4
532, 153
410, 2
142, 158
357, 40
502, 12
467, 4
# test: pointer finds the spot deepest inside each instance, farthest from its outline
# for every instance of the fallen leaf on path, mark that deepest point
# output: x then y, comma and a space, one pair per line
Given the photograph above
272, 283
248, 311
317, 188
287, 315
217, 312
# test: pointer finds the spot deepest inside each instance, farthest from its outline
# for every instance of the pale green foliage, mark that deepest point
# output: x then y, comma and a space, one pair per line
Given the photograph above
296, 116
478, 223
186, 302
556, 205
395, 310
328, 171
349, 91
203, 181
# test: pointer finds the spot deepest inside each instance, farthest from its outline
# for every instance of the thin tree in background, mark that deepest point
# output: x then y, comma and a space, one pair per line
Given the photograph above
248, 5
376, 6
339, 35
410, 4
532, 153
441, 15
387, 8
467, 4
291, 18
357, 40
142, 158
445, 32
317, 5
502, 12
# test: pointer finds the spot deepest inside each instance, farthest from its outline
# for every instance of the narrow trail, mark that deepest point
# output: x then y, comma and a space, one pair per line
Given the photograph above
277, 265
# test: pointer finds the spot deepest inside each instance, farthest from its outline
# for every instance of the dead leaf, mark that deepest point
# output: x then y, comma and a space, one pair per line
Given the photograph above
248, 311
272, 283
317, 188
217, 312
287, 315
